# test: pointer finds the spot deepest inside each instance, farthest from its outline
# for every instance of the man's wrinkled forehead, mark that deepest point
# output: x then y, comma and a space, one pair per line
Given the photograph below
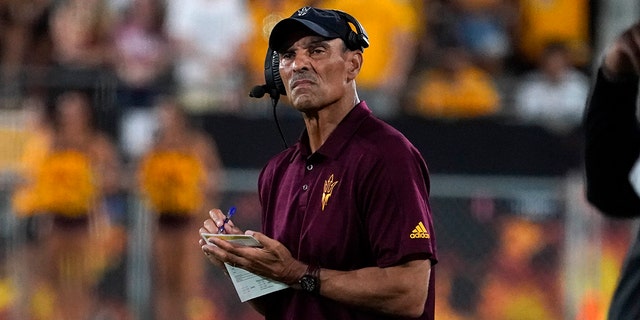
306, 39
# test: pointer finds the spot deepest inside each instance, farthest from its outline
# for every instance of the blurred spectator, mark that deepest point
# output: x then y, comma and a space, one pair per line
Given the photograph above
611, 155
208, 35
39, 131
143, 62
393, 27
513, 287
24, 48
79, 30
71, 184
445, 291
8, 293
553, 95
80, 52
455, 88
595, 300
30, 230
181, 178
542, 21
484, 28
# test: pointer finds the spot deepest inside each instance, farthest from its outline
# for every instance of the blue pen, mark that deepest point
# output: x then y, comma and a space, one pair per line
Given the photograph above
232, 210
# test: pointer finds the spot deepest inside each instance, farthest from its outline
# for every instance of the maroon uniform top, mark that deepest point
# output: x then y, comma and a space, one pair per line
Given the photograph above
361, 200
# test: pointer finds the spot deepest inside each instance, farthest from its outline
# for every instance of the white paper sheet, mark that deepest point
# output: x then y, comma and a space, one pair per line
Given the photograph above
250, 285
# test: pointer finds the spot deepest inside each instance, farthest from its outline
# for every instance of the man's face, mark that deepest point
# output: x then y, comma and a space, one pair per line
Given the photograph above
314, 72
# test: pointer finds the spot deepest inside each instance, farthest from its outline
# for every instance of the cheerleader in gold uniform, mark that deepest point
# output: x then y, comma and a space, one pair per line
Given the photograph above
80, 169
179, 177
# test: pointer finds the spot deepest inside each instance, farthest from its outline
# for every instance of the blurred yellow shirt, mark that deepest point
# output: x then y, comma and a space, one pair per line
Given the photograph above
381, 19
35, 150
542, 21
471, 94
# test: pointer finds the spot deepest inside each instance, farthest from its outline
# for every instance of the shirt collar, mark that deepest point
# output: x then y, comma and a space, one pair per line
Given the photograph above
338, 138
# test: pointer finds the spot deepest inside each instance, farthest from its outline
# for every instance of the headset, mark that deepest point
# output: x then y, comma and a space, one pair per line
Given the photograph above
274, 86
356, 40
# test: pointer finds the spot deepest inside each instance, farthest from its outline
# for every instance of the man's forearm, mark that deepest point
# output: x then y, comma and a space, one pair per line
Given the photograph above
400, 290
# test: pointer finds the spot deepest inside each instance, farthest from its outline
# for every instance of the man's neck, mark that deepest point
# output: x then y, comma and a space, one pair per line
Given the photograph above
321, 124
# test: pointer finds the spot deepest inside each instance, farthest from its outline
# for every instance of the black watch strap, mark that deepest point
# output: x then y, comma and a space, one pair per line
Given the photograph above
310, 281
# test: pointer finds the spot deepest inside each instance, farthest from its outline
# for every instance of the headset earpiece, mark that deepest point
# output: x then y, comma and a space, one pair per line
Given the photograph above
356, 40
272, 73
273, 86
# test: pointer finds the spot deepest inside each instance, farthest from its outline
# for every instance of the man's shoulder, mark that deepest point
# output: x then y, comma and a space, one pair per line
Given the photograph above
384, 139
374, 128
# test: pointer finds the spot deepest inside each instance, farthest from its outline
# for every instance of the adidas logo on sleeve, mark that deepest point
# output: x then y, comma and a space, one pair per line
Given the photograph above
420, 232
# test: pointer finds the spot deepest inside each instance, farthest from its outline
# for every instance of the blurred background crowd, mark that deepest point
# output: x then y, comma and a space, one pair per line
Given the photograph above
122, 122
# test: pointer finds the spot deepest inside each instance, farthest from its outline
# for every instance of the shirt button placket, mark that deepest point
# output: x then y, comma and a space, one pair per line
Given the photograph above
305, 187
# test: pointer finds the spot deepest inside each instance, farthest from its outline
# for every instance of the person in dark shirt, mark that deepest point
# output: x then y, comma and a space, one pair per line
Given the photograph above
612, 147
346, 218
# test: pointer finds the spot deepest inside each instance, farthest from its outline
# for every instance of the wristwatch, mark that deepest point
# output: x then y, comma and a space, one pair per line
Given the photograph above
310, 281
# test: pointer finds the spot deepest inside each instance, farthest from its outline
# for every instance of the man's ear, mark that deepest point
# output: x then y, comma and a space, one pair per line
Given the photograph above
354, 64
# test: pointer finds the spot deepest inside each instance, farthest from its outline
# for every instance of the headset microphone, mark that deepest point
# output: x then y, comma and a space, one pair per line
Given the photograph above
274, 86
258, 91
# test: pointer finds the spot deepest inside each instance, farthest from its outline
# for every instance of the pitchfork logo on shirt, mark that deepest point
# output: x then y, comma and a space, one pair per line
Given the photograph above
328, 189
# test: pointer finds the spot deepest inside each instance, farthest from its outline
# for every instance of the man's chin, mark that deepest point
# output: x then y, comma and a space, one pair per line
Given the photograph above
303, 102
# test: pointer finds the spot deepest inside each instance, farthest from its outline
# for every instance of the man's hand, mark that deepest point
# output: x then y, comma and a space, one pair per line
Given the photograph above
212, 225
273, 260
622, 58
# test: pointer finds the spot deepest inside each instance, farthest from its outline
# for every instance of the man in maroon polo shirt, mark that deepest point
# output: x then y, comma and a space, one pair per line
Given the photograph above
346, 216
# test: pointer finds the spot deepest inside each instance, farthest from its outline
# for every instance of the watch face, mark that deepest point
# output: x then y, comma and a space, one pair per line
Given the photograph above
309, 283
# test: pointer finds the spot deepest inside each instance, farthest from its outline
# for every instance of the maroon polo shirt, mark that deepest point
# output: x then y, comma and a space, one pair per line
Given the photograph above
361, 200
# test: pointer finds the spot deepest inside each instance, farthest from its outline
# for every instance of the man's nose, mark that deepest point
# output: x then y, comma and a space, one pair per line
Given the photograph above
301, 62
